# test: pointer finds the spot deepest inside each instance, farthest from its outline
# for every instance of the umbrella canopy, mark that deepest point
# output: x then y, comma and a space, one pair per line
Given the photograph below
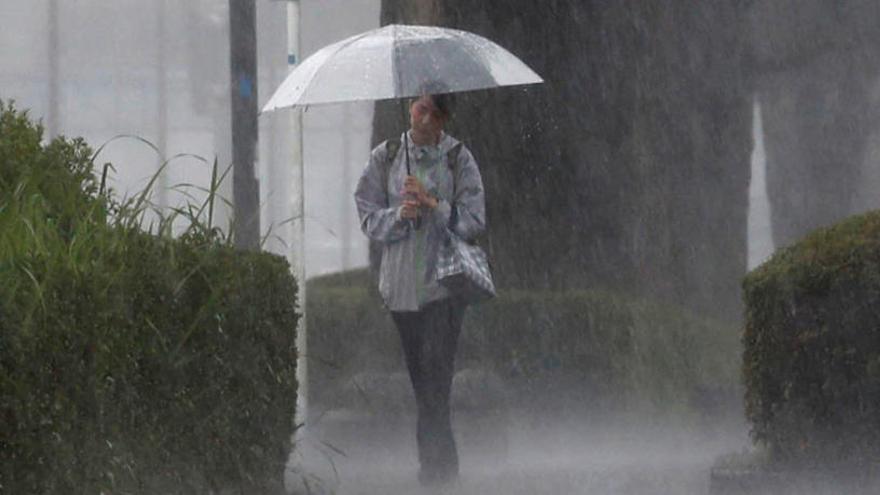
399, 61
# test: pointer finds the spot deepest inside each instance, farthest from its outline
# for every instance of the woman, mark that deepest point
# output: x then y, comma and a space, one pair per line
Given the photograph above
410, 214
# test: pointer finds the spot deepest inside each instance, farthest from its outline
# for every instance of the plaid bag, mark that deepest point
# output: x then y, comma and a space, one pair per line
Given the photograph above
463, 268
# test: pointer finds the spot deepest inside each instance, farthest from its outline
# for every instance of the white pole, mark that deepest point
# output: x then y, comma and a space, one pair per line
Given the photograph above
53, 120
345, 230
299, 225
161, 104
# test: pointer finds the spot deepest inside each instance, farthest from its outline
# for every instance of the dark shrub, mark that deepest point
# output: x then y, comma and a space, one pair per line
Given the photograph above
131, 363
565, 351
812, 346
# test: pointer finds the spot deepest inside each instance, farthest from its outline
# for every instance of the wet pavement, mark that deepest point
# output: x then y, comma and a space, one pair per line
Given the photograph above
622, 460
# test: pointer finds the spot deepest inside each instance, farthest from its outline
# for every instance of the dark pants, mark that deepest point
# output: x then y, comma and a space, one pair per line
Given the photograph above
429, 338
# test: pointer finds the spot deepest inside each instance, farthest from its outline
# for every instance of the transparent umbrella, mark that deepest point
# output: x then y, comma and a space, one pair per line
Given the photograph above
399, 61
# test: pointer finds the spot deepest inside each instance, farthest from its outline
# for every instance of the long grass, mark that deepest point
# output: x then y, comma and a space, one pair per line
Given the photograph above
132, 353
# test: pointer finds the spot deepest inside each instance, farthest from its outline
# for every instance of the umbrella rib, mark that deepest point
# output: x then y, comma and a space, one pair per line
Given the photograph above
482, 57
395, 64
342, 45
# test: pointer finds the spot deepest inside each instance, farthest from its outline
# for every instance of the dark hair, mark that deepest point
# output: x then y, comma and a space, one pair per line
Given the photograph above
440, 97
443, 102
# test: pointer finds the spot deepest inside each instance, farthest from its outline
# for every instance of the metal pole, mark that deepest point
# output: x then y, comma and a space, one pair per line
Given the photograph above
345, 234
299, 225
243, 89
52, 118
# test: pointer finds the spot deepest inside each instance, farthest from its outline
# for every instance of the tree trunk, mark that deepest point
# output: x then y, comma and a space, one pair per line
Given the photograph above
629, 168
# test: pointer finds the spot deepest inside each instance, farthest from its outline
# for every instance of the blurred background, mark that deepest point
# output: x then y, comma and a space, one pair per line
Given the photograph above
159, 70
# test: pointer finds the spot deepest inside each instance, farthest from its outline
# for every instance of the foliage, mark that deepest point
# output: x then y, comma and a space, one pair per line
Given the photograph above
574, 350
812, 346
131, 362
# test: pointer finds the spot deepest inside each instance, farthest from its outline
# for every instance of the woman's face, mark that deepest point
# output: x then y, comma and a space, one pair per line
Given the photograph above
425, 118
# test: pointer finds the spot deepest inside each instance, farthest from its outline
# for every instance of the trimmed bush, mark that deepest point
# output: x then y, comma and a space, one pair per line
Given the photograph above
572, 351
812, 347
129, 362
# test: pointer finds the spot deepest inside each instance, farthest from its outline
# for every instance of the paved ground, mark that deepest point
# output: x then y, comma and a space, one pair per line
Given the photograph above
618, 460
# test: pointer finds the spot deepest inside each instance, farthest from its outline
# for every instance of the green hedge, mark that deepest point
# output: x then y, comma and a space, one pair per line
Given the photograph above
572, 351
812, 346
131, 363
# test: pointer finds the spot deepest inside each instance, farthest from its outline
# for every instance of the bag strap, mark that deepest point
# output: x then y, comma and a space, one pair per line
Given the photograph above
392, 146
452, 162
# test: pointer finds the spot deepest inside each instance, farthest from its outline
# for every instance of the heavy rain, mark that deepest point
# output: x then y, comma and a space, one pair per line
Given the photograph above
393, 247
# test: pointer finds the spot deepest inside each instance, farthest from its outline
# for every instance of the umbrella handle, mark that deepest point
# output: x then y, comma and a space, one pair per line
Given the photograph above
406, 150
417, 222
405, 134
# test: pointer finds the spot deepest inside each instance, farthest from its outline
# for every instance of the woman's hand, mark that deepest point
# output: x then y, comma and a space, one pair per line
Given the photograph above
409, 209
414, 188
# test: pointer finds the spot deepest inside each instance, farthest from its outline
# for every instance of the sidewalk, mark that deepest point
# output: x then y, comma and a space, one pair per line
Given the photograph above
538, 461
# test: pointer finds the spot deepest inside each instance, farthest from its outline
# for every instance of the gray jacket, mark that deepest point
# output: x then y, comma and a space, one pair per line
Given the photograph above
407, 278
